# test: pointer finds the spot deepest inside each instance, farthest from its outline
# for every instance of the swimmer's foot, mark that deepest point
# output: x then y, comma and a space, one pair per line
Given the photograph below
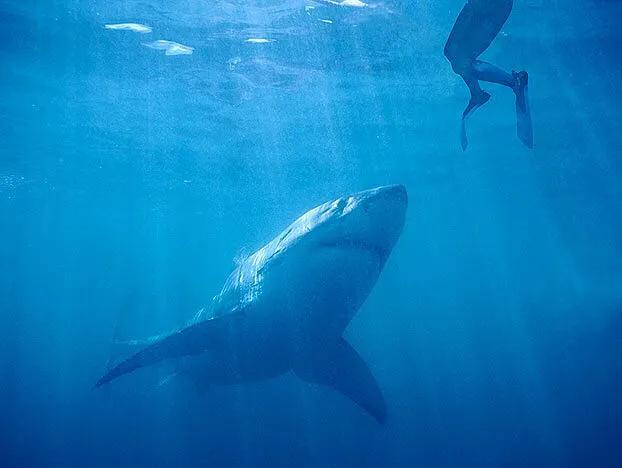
521, 80
475, 103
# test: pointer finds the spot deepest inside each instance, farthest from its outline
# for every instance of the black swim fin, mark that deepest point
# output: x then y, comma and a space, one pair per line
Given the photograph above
524, 126
470, 109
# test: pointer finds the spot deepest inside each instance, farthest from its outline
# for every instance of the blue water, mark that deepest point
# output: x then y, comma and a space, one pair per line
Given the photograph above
130, 180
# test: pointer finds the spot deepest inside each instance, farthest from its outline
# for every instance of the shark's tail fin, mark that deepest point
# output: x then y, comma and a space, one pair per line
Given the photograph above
191, 340
120, 349
127, 322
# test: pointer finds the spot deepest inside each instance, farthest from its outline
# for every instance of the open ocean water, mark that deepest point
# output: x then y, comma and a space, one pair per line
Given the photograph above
130, 180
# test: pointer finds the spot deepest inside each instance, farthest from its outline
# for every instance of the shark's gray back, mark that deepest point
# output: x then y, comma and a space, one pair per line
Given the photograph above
245, 283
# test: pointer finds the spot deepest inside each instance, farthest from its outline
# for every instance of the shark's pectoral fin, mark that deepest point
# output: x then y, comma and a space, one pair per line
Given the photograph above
340, 367
191, 340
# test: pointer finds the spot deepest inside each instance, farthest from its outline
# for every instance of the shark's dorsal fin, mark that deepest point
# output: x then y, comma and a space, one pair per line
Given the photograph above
340, 367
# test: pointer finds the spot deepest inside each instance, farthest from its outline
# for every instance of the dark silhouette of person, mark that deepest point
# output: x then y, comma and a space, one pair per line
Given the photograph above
477, 25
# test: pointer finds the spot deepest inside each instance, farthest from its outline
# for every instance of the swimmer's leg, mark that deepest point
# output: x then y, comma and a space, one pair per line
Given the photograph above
485, 71
518, 82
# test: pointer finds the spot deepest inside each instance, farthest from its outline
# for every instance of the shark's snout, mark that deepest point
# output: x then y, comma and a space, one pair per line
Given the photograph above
396, 192
389, 197
372, 219
385, 206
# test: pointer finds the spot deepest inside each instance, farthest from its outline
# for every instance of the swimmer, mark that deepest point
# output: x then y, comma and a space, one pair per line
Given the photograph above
477, 25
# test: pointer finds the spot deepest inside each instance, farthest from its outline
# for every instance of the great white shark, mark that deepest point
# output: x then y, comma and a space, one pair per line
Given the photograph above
286, 306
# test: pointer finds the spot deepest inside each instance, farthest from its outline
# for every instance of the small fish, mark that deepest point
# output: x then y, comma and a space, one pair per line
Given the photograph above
170, 47
135, 27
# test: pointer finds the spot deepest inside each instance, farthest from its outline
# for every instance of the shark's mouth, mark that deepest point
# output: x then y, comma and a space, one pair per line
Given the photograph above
355, 245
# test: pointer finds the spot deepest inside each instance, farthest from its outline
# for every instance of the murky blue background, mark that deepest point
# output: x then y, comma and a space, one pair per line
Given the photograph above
129, 180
